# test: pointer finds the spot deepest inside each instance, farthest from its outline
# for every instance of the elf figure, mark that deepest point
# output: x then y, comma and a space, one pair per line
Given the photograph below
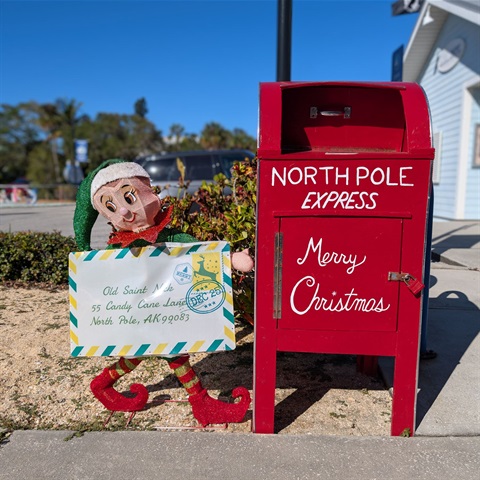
121, 192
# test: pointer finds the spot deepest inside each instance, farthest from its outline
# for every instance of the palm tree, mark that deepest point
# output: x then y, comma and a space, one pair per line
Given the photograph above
49, 121
70, 119
59, 120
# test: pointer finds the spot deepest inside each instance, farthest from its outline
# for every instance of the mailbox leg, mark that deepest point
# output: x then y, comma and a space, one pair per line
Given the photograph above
367, 364
404, 395
264, 380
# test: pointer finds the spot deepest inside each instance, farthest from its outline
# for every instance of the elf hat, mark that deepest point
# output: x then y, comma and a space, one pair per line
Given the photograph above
85, 212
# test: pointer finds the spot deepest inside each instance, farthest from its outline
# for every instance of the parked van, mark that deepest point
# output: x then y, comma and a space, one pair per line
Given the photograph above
200, 165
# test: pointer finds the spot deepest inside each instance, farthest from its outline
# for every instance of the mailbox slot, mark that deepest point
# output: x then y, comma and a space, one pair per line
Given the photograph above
365, 120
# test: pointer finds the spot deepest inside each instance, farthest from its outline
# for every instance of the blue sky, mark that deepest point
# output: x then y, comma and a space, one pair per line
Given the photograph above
194, 61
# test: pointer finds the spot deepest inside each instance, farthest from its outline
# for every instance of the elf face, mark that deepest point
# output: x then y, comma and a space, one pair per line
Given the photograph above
129, 204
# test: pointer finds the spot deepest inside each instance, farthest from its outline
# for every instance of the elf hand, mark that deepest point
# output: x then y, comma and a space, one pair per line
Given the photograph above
242, 261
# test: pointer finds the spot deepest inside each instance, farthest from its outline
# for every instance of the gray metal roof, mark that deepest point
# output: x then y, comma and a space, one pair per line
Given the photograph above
426, 31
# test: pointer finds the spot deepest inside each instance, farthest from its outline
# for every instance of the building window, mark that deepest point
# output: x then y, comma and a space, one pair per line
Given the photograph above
476, 150
437, 144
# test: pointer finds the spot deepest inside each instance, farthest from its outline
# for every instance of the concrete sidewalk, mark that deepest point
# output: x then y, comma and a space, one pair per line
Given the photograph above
447, 441
200, 456
457, 243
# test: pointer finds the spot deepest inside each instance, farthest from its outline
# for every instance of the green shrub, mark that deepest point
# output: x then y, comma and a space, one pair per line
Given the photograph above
35, 257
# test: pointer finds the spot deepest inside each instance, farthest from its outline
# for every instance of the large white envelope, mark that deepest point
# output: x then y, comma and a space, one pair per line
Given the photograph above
168, 299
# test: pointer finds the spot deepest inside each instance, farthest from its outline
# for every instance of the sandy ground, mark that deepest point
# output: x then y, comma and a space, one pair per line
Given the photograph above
42, 387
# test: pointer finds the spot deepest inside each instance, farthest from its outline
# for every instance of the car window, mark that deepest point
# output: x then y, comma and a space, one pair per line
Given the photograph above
203, 166
163, 170
199, 167
227, 160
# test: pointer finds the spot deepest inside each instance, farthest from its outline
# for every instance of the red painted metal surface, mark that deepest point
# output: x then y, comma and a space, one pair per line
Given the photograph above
343, 184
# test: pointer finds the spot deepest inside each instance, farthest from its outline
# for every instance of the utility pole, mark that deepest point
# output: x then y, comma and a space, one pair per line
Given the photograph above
284, 40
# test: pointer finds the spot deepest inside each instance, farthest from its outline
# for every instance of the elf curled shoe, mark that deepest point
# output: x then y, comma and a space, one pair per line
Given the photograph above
121, 192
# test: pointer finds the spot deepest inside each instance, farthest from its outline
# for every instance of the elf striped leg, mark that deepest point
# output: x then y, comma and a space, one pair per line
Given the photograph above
208, 410
102, 387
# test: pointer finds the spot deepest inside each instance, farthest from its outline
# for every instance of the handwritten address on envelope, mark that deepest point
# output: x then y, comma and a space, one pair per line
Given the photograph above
168, 299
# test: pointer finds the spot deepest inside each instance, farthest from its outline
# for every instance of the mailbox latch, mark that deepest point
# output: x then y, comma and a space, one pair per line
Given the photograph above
277, 276
413, 284
315, 112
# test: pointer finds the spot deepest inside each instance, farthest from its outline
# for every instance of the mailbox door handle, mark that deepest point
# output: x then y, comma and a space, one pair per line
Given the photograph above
277, 276
346, 113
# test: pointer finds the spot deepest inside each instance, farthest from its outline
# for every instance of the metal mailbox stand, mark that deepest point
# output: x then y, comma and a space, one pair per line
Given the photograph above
343, 188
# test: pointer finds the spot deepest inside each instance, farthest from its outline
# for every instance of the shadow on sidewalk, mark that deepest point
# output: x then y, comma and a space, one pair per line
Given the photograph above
453, 239
453, 325
466, 241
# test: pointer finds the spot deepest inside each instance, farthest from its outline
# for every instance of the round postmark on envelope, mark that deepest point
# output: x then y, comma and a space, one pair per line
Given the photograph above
205, 296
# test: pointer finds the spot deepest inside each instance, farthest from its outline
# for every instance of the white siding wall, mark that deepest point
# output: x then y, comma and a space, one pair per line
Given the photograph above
445, 92
472, 197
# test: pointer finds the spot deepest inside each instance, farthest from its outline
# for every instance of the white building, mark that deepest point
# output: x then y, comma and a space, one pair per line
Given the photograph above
443, 56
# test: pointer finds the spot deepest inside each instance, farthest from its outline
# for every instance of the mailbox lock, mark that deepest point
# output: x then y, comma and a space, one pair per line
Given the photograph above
414, 285
347, 112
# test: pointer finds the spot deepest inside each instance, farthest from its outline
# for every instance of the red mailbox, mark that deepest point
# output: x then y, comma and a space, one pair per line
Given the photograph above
343, 184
